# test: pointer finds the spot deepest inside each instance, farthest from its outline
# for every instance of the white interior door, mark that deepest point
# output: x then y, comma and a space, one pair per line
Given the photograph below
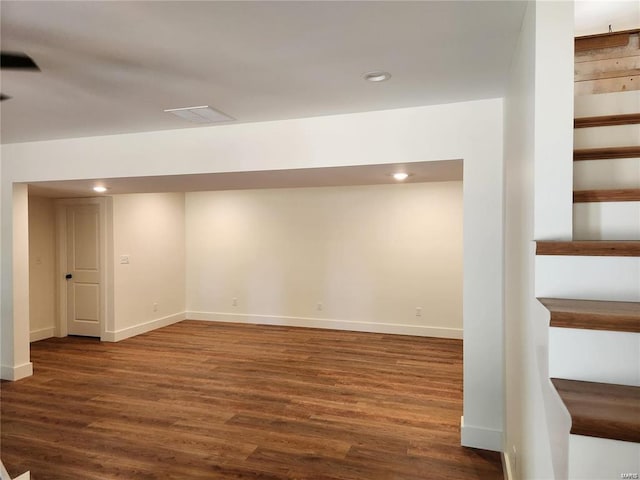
83, 275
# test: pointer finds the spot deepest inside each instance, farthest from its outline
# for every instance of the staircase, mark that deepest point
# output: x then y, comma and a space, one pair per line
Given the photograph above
591, 285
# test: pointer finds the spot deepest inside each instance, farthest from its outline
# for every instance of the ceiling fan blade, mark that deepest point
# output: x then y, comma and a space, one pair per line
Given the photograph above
4, 97
17, 61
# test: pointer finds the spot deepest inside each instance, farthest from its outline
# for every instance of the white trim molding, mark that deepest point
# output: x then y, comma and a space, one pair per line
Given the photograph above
480, 437
16, 373
41, 334
116, 336
328, 323
507, 466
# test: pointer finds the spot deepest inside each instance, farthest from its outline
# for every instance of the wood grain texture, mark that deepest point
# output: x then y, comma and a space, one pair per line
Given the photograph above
630, 73
606, 153
607, 120
607, 68
603, 40
594, 314
611, 195
631, 49
590, 248
607, 85
602, 410
200, 400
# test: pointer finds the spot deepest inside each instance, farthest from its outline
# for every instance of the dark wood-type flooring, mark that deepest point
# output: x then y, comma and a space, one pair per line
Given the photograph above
200, 400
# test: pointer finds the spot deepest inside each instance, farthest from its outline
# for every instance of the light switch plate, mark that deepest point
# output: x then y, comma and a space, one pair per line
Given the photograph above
124, 259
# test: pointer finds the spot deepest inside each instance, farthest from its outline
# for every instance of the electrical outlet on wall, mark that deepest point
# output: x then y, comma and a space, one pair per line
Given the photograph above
234, 301
319, 306
155, 306
418, 311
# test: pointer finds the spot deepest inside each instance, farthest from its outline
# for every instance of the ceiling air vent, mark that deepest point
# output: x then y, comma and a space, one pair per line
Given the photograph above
202, 114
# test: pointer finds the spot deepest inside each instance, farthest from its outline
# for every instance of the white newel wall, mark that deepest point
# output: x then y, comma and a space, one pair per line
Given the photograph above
553, 202
471, 131
538, 206
523, 400
355, 258
149, 291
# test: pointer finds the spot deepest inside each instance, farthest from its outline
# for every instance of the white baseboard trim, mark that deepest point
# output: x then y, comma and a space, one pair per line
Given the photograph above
480, 437
116, 336
16, 373
391, 328
41, 334
507, 466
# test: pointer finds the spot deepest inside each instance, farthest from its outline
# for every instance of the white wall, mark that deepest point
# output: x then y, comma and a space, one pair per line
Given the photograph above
471, 131
42, 268
149, 291
520, 371
538, 186
595, 16
553, 172
553, 203
14, 333
369, 255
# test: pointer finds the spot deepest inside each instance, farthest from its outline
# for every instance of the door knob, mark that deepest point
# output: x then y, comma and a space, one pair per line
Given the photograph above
68, 276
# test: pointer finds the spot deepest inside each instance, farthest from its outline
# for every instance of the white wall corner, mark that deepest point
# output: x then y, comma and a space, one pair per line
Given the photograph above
480, 437
116, 336
328, 323
16, 373
41, 334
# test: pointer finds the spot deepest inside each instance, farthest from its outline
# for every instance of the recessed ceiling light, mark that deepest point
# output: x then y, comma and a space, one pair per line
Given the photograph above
201, 114
400, 176
99, 189
377, 76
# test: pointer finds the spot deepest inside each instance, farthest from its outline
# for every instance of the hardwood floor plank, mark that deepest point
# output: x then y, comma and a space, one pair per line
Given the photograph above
200, 400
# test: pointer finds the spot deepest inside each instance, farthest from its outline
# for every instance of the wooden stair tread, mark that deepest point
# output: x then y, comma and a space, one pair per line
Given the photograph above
606, 153
590, 248
607, 120
594, 314
602, 410
612, 195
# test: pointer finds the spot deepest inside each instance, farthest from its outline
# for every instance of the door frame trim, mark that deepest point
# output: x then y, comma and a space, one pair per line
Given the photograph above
106, 266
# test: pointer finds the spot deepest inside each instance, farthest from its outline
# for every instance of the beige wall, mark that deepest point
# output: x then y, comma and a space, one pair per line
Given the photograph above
149, 228
369, 255
42, 264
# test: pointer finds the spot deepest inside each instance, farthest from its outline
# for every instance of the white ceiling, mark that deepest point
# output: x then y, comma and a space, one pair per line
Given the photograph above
112, 67
439, 171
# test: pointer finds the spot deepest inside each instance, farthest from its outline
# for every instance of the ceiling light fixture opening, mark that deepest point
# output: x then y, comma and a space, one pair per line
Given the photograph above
201, 114
99, 189
400, 176
377, 76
